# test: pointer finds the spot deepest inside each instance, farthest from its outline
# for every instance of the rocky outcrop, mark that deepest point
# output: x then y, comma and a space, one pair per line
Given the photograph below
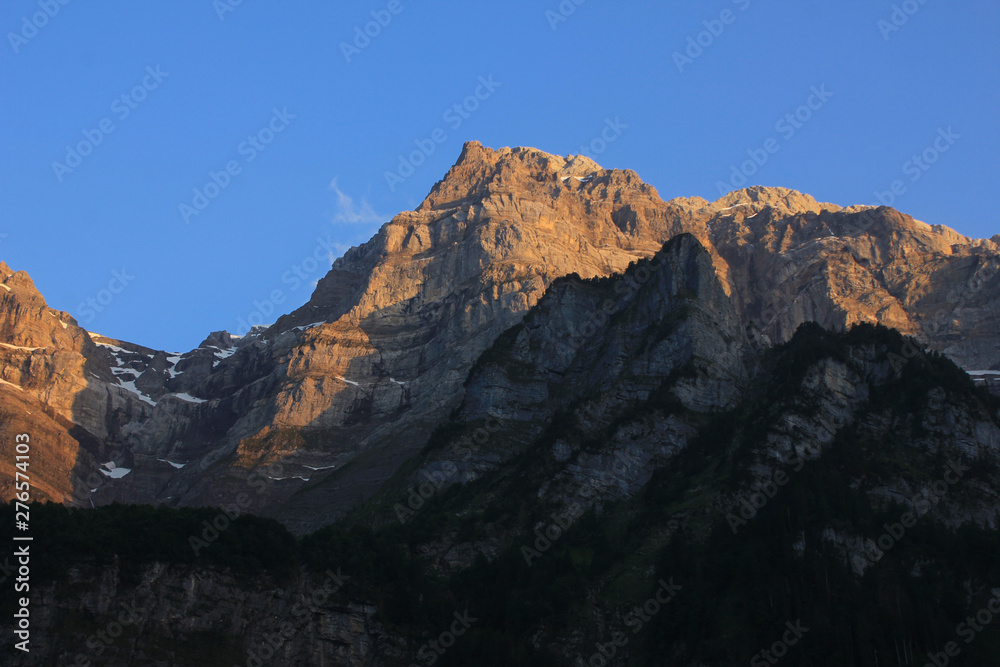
54, 390
793, 261
581, 364
606, 381
651, 423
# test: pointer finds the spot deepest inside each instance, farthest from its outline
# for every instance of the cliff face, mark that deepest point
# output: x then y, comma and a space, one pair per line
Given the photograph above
327, 404
606, 382
54, 388
574, 447
570, 378
792, 261
624, 440
606, 452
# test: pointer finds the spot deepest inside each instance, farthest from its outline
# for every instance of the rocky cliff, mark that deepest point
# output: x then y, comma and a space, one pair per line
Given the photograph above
54, 388
326, 405
606, 381
625, 462
600, 458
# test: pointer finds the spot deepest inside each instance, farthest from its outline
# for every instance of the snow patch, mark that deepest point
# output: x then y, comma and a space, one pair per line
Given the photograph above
64, 325
356, 384
176, 465
984, 377
113, 348
113, 471
18, 347
255, 330
184, 396
308, 326
173, 359
129, 385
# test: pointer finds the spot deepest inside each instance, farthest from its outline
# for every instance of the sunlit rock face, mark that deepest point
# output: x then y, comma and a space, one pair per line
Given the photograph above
313, 414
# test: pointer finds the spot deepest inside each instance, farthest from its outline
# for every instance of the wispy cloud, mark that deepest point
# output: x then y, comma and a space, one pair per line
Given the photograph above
350, 213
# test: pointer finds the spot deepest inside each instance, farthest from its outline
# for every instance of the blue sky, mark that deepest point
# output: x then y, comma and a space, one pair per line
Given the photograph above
299, 131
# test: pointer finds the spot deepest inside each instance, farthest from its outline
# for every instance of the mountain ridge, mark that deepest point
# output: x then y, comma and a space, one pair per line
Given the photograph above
592, 460
341, 391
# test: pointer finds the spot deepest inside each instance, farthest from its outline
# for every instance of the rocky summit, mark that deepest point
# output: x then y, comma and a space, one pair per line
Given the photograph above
322, 408
546, 418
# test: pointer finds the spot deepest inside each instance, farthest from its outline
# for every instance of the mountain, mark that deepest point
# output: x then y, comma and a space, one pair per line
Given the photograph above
795, 261
628, 474
318, 411
55, 388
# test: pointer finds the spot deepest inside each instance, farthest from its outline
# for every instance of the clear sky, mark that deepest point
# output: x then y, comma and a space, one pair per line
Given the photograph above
113, 114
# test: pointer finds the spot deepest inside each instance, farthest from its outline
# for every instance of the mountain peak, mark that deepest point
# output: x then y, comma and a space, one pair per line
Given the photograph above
11, 278
783, 200
381, 351
480, 169
474, 152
